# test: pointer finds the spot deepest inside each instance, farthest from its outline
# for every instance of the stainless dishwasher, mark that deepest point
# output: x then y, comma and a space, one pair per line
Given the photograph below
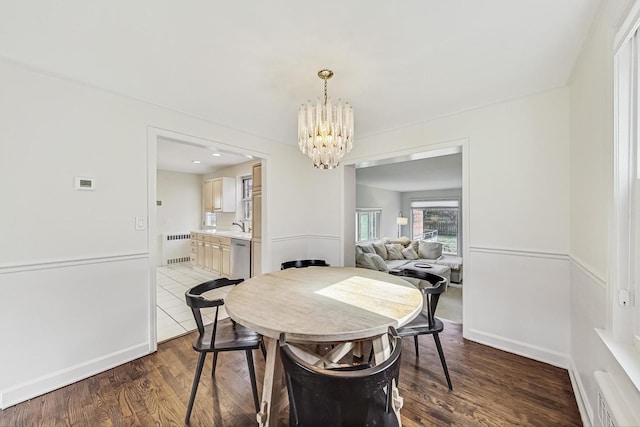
240, 259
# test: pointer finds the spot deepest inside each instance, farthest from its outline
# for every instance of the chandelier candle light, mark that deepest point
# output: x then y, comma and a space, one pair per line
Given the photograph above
325, 132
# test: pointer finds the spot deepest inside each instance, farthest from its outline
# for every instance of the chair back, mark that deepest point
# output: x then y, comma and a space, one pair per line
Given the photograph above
352, 396
301, 263
431, 294
196, 301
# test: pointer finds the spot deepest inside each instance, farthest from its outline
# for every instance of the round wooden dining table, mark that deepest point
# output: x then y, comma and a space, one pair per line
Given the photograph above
320, 305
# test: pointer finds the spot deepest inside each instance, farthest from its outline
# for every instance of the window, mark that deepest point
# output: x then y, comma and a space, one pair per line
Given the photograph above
247, 184
368, 224
437, 221
625, 265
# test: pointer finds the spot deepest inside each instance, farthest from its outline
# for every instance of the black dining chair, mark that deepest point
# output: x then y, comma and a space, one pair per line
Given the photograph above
426, 323
361, 395
220, 335
301, 263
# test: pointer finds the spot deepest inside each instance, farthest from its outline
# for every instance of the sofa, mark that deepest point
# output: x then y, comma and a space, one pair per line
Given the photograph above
390, 254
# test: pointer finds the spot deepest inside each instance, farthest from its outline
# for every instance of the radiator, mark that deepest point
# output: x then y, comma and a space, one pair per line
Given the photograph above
613, 408
176, 248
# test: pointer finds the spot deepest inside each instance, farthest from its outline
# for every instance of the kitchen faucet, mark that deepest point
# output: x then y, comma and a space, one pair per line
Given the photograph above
241, 225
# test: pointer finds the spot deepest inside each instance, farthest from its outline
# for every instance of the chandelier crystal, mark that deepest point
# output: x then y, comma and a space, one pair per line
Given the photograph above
325, 132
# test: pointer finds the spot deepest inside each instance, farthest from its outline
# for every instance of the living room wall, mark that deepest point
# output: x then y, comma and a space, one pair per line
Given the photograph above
388, 201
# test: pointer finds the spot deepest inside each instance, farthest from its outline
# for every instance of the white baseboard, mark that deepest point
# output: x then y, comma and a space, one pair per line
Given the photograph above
520, 348
586, 412
55, 380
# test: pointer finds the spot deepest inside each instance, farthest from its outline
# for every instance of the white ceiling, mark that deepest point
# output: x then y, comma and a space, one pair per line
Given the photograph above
179, 156
434, 173
249, 64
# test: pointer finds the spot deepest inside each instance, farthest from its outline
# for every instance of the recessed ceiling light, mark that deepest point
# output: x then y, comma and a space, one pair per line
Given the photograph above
216, 154
248, 156
195, 162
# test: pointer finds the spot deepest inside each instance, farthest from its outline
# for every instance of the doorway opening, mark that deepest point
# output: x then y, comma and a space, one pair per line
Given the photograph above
422, 196
180, 168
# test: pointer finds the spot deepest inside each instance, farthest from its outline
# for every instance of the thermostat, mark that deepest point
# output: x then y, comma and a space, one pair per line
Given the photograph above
84, 183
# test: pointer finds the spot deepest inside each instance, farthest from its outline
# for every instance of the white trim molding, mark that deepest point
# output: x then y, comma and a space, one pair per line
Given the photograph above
43, 265
519, 252
46, 383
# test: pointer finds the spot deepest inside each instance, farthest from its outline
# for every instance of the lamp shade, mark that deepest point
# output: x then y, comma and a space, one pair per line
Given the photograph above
402, 220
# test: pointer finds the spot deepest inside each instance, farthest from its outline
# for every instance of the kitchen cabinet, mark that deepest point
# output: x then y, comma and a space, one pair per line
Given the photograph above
200, 262
225, 260
208, 256
194, 250
256, 257
207, 196
219, 195
211, 253
256, 218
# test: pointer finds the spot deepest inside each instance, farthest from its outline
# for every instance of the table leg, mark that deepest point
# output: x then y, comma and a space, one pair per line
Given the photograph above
272, 387
381, 348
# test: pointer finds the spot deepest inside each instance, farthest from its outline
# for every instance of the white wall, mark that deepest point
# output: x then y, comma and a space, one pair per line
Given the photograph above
518, 238
388, 201
77, 252
181, 197
591, 203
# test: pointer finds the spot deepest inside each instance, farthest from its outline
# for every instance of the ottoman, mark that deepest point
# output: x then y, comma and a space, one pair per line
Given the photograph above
440, 270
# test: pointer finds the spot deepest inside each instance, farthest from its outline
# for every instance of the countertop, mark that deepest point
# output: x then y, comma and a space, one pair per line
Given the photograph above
232, 234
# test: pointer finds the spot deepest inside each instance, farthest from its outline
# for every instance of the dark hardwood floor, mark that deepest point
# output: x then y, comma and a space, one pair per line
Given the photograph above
490, 387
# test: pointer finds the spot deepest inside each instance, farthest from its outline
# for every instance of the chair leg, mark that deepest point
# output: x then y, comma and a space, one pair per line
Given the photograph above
252, 376
215, 362
436, 338
194, 387
415, 342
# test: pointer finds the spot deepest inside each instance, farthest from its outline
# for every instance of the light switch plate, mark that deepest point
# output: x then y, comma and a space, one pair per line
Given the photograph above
141, 223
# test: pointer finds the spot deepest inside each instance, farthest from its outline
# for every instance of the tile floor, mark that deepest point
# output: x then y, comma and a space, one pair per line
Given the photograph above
174, 316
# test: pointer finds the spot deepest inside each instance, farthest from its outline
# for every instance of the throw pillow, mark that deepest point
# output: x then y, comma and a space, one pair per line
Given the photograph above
364, 261
379, 262
367, 248
380, 249
404, 241
394, 252
372, 262
409, 253
429, 250
414, 245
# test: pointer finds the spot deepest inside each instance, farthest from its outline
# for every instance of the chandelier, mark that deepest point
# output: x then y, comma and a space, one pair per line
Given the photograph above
325, 132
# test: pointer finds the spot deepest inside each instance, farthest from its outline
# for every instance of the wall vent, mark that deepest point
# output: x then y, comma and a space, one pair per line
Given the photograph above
178, 260
613, 408
176, 248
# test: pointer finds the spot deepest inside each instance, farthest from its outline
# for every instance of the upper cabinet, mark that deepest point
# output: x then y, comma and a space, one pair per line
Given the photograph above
219, 195
207, 196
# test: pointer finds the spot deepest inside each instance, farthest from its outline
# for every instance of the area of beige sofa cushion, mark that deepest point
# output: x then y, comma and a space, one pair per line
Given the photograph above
371, 261
394, 251
366, 248
404, 241
409, 253
429, 250
380, 249
379, 262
